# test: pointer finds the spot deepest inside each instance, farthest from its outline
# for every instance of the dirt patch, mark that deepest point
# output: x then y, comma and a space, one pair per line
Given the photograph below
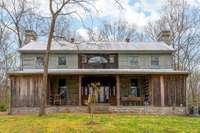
3, 113
91, 123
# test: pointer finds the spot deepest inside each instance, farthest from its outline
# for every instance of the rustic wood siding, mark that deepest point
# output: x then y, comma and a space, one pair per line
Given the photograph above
26, 91
175, 90
29, 61
144, 61
125, 84
72, 88
156, 93
72, 85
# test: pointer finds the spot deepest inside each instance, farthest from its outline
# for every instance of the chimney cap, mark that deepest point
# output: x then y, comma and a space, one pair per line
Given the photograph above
72, 40
164, 33
127, 39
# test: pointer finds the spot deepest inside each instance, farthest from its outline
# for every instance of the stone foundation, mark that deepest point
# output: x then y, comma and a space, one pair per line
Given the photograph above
49, 110
111, 109
148, 110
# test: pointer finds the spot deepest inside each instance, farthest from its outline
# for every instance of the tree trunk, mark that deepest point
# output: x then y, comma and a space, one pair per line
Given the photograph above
43, 98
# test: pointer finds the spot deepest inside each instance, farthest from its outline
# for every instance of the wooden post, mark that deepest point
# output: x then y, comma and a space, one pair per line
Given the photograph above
118, 90
10, 95
79, 94
162, 91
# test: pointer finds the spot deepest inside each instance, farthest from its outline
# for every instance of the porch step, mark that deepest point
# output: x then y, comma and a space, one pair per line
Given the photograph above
101, 108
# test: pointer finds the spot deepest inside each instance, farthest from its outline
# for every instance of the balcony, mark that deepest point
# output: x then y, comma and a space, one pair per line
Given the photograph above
98, 61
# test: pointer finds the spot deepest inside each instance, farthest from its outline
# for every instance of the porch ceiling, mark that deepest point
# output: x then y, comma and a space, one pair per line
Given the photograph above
98, 71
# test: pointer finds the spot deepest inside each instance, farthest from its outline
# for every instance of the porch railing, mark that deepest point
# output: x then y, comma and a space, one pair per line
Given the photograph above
132, 101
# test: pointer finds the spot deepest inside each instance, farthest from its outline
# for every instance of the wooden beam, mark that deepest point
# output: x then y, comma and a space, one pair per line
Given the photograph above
79, 93
118, 90
162, 91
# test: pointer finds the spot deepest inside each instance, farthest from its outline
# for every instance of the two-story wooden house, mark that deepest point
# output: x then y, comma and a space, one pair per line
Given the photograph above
135, 77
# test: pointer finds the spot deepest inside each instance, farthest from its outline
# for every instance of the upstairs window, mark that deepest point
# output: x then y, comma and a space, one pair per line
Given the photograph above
155, 60
62, 60
39, 60
133, 60
111, 59
83, 59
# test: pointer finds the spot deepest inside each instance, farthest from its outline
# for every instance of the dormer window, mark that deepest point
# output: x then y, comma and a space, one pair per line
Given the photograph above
39, 60
155, 60
97, 60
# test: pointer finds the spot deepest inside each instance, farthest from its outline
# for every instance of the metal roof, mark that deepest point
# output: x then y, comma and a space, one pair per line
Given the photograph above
98, 71
58, 46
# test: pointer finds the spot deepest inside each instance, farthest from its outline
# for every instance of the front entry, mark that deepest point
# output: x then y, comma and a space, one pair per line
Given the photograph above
107, 90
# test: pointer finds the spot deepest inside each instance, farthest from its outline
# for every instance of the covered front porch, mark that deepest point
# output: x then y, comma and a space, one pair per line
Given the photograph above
120, 90
114, 90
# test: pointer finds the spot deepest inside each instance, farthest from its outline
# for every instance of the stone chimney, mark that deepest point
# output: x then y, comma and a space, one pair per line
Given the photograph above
30, 35
164, 36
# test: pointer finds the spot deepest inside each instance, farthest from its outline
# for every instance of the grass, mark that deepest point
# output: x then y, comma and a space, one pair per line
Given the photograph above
106, 123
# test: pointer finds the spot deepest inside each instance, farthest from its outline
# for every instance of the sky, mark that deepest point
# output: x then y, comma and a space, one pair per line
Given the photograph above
136, 12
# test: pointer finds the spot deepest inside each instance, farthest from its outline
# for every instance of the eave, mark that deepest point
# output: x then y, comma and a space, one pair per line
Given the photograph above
100, 72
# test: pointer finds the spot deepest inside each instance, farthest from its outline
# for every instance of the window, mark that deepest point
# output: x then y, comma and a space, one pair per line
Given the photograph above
61, 60
39, 60
111, 59
134, 88
97, 60
154, 60
84, 59
133, 60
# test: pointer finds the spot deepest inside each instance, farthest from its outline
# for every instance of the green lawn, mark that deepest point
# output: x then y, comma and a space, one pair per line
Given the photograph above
107, 123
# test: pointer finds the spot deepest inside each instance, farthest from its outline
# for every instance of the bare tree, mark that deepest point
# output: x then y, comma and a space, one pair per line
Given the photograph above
59, 8
117, 31
183, 23
92, 99
63, 28
19, 16
14, 11
194, 91
7, 62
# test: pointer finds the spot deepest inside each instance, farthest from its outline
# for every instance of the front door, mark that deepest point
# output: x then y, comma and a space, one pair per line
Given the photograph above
106, 90
62, 90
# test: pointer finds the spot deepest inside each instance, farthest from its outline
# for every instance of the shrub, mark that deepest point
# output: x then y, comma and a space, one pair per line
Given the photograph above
3, 107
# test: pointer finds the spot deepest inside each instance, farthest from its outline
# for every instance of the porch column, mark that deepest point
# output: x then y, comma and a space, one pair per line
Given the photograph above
79, 92
162, 91
118, 90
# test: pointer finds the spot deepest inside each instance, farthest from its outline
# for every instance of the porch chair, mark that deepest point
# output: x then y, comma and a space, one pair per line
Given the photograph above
57, 98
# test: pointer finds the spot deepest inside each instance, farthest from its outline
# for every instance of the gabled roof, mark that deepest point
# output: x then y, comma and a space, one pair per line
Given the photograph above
64, 46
